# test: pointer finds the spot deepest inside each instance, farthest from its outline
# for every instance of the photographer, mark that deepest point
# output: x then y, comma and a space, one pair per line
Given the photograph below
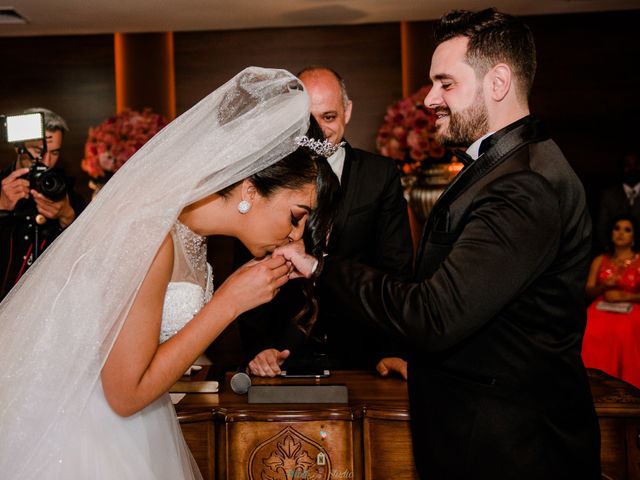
26, 212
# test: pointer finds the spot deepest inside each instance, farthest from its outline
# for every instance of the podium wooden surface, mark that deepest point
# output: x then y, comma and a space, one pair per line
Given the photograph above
368, 438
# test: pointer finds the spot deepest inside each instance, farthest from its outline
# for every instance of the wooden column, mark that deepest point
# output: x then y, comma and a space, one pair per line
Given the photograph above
417, 44
144, 70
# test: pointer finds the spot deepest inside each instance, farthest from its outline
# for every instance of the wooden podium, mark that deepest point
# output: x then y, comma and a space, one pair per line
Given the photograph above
367, 438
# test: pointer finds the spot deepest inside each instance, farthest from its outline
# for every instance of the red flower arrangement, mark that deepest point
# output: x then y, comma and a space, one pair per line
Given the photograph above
114, 141
408, 134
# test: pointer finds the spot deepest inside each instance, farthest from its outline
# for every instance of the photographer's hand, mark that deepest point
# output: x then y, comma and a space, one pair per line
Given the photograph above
14, 189
60, 210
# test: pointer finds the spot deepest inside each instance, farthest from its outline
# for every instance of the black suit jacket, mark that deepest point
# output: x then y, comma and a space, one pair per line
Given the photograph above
371, 227
494, 319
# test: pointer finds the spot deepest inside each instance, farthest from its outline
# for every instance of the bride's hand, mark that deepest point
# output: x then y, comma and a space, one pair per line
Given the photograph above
255, 283
303, 263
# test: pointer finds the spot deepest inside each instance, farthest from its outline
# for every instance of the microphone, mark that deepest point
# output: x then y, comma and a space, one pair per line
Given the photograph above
240, 383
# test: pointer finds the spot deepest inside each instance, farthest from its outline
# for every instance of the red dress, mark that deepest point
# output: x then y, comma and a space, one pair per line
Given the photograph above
612, 340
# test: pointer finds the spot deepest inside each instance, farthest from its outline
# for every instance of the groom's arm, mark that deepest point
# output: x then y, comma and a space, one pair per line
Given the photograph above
510, 238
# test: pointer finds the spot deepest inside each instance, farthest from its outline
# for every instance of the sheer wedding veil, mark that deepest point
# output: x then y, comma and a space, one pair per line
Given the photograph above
58, 324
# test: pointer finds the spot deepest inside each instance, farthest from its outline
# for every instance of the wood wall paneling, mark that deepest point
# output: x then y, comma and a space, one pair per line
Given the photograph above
367, 57
145, 72
71, 75
418, 45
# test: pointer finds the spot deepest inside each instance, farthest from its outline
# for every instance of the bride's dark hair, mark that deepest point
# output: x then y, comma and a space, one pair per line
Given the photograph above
293, 171
299, 168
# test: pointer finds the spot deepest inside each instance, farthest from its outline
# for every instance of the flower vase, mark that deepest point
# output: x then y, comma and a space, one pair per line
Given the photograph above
427, 187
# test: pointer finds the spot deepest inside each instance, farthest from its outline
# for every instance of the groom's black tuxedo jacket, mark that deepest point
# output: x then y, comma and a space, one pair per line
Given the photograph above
372, 227
494, 319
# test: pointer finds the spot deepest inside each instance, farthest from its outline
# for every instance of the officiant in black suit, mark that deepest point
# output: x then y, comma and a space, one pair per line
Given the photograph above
372, 227
494, 319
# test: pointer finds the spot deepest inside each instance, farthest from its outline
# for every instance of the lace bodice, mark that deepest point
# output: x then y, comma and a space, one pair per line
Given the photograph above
191, 283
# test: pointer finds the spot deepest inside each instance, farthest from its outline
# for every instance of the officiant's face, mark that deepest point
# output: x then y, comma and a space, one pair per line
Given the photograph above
327, 103
457, 96
277, 219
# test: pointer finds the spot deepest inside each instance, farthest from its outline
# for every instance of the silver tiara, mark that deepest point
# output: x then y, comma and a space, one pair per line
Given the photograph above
324, 148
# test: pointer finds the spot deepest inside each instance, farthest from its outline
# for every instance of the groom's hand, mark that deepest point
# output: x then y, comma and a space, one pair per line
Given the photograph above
304, 264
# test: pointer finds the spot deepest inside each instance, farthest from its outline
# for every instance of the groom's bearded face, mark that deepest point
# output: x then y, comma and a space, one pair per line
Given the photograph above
457, 96
464, 126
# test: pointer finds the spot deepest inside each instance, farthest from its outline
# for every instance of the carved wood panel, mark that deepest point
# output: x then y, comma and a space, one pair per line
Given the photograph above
312, 450
633, 448
613, 449
387, 450
199, 435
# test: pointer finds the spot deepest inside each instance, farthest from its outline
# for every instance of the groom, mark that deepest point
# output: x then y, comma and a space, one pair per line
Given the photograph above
494, 319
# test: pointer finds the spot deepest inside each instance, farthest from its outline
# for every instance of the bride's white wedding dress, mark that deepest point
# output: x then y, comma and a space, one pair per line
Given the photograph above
148, 444
59, 323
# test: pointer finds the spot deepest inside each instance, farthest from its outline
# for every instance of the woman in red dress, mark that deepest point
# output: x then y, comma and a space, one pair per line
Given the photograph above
612, 337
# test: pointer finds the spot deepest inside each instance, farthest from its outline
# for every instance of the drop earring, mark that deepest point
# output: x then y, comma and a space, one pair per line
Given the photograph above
244, 207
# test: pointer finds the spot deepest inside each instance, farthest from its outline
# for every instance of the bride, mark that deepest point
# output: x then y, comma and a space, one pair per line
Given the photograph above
120, 306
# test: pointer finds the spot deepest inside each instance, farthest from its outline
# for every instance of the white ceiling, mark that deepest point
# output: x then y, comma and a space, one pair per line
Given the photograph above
57, 17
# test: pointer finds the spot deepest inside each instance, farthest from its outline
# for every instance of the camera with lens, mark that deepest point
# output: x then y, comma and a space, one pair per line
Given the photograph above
18, 129
49, 182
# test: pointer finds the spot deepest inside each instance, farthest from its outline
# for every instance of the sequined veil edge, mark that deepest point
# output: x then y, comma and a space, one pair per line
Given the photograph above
59, 323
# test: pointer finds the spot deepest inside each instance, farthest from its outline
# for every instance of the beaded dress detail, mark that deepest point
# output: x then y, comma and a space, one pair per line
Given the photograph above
191, 283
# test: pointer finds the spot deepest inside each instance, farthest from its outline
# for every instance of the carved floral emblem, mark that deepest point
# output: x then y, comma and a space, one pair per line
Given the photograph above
289, 455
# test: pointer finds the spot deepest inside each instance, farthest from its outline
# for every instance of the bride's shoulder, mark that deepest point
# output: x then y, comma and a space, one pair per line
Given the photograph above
162, 264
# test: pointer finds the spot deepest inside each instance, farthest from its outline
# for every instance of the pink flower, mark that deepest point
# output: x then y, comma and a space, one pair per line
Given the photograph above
114, 141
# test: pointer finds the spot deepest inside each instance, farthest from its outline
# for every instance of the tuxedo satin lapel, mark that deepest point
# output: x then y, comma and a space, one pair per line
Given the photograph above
347, 192
444, 196
529, 131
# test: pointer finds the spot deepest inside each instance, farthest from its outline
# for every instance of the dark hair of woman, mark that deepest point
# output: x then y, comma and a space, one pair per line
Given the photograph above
634, 227
297, 169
